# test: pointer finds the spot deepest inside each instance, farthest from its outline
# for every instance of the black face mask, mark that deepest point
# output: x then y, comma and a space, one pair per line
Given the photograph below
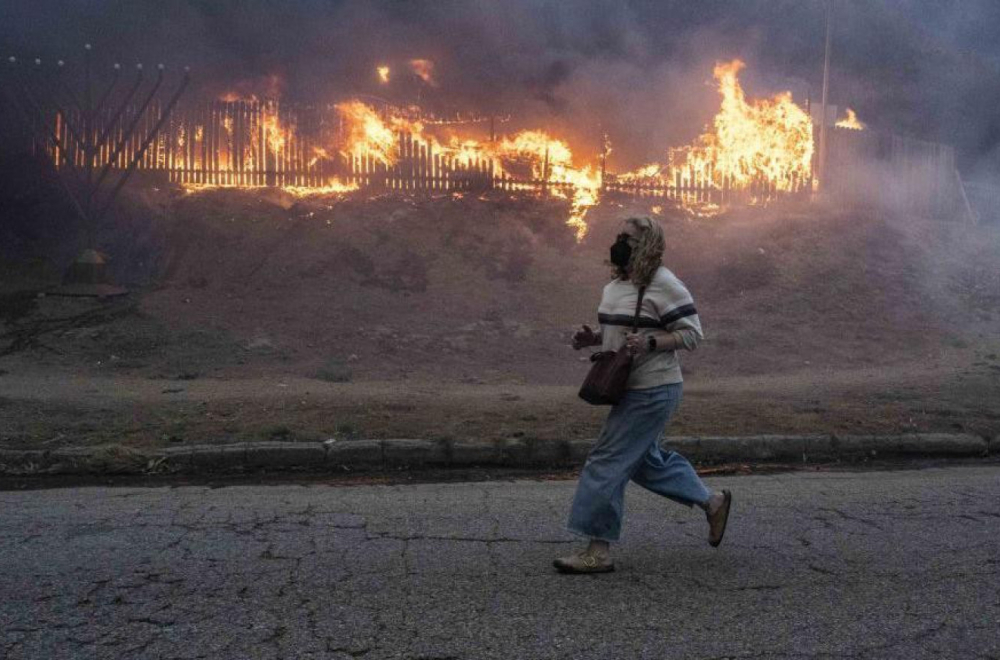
621, 251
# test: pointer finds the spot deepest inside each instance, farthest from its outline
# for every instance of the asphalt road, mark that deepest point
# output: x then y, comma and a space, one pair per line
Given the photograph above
900, 564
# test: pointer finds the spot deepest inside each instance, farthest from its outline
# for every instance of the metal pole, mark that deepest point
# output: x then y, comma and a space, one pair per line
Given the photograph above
88, 145
821, 162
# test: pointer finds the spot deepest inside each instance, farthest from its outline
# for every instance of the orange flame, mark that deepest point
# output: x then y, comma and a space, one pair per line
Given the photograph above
319, 153
851, 121
766, 140
651, 171
368, 133
383, 74
535, 153
539, 150
334, 187
274, 132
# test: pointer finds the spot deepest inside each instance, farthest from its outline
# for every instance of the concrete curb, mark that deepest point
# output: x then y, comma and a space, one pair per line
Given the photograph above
370, 455
824, 448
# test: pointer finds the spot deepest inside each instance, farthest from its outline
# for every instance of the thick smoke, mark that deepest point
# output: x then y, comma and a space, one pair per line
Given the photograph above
639, 70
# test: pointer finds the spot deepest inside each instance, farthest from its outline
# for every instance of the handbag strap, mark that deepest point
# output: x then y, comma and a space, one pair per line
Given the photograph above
638, 308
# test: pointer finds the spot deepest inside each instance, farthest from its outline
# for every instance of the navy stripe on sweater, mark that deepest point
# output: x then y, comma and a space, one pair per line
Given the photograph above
677, 314
626, 320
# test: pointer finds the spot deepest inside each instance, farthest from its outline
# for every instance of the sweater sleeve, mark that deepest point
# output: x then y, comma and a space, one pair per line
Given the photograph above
677, 313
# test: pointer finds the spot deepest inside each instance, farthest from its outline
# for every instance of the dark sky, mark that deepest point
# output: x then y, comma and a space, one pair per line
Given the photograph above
640, 69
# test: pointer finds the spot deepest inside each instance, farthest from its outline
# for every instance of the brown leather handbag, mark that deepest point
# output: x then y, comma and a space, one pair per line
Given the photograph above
605, 382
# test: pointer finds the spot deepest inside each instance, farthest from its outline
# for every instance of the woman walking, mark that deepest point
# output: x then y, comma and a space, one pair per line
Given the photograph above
628, 447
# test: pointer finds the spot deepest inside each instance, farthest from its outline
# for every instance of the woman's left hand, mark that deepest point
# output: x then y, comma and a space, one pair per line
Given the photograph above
636, 342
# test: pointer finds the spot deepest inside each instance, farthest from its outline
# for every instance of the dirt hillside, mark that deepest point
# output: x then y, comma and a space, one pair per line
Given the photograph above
488, 288
816, 317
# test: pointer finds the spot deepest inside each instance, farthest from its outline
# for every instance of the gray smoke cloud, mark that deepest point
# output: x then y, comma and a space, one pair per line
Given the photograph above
640, 70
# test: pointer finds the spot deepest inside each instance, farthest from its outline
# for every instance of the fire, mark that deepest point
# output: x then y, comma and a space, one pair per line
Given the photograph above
334, 187
368, 133
225, 157
319, 153
767, 140
531, 153
651, 171
274, 132
551, 160
852, 122
750, 144
424, 69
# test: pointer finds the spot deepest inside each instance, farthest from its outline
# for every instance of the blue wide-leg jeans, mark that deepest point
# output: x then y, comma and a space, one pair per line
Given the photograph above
629, 448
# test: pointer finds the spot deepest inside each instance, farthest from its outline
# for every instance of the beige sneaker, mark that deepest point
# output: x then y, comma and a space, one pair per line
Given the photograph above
585, 561
717, 521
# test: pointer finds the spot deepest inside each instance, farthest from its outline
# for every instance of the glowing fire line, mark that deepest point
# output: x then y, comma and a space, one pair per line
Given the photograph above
334, 187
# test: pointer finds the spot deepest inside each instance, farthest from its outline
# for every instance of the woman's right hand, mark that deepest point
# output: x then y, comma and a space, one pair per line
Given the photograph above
585, 337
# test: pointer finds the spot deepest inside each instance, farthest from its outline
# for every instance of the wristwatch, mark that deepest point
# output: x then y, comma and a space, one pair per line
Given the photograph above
651, 343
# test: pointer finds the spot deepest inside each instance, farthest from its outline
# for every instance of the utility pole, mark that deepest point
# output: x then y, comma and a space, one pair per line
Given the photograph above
821, 160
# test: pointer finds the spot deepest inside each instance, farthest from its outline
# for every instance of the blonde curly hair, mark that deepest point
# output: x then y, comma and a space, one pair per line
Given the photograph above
647, 255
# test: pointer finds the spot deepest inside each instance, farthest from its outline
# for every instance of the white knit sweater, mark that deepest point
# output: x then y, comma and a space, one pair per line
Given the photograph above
666, 305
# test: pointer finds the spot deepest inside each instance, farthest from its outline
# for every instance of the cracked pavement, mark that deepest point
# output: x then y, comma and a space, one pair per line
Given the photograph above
898, 564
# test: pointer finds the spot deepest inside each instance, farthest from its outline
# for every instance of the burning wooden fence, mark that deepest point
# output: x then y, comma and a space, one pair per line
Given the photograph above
262, 143
238, 143
248, 143
418, 167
